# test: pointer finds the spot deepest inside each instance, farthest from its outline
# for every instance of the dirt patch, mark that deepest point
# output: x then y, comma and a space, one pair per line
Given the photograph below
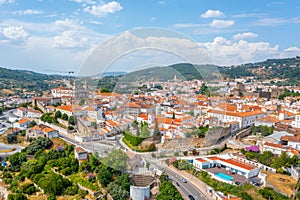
58, 142
284, 183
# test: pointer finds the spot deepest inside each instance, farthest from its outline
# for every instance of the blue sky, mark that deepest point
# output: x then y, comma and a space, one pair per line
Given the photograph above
44, 35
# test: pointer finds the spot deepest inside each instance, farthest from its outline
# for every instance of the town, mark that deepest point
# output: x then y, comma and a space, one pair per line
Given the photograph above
234, 139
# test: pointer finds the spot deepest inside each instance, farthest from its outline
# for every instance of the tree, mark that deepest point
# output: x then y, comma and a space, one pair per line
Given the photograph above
116, 159
168, 191
104, 90
11, 138
58, 114
71, 120
53, 184
117, 192
173, 115
17, 159
104, 175
65, 117
81, 102
32, 123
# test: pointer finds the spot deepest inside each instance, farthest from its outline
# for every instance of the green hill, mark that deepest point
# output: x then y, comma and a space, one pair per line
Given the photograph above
17, 81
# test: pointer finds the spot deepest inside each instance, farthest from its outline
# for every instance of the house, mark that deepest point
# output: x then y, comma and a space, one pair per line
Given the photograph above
245, 119
81, 154
228, 163
50, 132
266, 121
296, 122
291, 141
33, 132
62, 92
277, 149
22, 123
21, 112
31, 113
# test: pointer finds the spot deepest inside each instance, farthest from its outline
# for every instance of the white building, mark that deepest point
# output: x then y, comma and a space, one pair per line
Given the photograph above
296, 122
229, 164
245, 119
62, 92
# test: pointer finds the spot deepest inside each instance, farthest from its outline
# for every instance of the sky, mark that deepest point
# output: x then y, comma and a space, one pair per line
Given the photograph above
60, 35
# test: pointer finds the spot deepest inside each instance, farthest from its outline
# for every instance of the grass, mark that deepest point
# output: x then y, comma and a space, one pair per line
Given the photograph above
82, 181
58, 142
282, 182
128, 143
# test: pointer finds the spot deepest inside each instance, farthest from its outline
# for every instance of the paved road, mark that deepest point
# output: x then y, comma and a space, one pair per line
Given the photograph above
187, 188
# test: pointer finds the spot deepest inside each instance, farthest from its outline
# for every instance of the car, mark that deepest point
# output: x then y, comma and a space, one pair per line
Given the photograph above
183, 180
191, 197
237, 183
177, 184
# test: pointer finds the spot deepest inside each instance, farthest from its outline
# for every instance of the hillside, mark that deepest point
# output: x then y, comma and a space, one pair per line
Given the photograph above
287, 68
18, 81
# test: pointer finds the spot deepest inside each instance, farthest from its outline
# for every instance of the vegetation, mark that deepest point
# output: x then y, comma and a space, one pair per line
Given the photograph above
18, 80
182, 165
263, 130
132, 139
167, 190
200, 131
11, 138
218, 150
288, 93
269, 159
269, 193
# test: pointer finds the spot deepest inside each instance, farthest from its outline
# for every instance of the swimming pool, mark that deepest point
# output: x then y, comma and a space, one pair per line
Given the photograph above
224, 176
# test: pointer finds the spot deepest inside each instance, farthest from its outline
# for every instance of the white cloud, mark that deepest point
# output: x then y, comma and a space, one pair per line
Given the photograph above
101, 10
226, 52
162, 2
69, 24
70, 39
216, 23
6, 1
15, 33
28, 12
290, 52
212, 14
292, 49
241, 36
271, 21
85, 1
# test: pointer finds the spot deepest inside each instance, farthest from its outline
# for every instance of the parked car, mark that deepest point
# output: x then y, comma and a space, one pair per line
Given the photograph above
191, 197
177, 184
237, 183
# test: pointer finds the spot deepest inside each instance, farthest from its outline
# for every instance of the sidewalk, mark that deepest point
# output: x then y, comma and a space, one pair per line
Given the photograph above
194, 180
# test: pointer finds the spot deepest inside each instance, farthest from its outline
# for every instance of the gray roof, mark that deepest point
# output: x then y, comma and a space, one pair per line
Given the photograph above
278, 134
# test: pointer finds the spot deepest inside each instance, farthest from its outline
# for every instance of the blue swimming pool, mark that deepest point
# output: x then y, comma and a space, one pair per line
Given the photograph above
224, 176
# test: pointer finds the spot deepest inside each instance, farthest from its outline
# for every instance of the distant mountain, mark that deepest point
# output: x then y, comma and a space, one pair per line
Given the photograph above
105, 74
16, 81
287, 68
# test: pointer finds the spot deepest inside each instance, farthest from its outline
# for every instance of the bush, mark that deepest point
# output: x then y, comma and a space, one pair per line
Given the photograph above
28, 188
11, 138
51, 197
72, 190
16, 197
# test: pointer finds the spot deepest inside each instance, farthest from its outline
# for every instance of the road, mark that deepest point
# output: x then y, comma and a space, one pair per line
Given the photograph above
186, 188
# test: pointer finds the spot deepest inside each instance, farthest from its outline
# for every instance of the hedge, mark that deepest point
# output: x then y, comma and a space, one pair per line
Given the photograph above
134, 140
